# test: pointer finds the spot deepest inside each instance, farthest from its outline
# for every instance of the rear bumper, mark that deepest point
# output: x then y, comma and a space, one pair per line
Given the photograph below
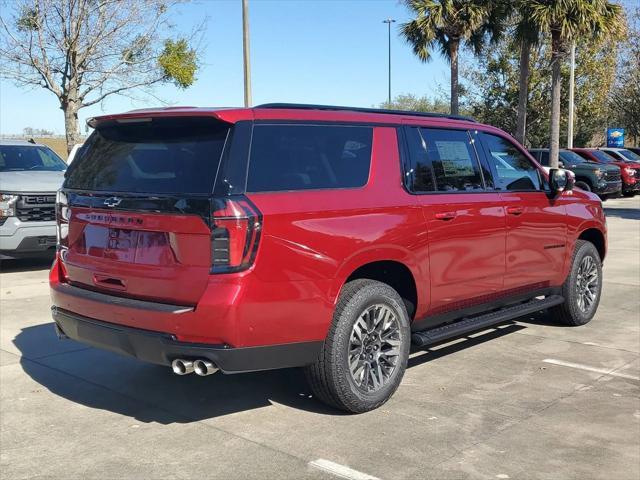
161, 348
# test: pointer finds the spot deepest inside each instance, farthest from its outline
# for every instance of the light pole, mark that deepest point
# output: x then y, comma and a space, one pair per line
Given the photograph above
389, 21
572, 87
245, 53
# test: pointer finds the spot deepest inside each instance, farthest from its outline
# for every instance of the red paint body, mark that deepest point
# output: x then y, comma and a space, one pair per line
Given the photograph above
461, 249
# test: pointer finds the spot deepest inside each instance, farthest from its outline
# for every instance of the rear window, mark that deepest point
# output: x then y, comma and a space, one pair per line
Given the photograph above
156, 156
306, 157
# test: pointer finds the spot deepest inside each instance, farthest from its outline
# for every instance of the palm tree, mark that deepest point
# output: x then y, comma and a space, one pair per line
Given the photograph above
570, 20
527, 35
445, 25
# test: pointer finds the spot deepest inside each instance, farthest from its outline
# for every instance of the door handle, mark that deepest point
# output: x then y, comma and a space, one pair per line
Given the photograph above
515, 210
446, 215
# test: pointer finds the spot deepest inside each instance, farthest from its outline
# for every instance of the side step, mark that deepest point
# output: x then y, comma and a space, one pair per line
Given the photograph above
467, 325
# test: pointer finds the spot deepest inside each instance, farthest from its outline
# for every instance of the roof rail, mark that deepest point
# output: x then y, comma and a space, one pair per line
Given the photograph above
301, 106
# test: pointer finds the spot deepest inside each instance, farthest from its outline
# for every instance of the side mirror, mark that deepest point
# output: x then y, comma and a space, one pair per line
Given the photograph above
560, 164
561, 180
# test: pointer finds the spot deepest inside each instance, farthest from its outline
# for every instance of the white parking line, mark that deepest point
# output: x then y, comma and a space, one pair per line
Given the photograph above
340, 470
604, 371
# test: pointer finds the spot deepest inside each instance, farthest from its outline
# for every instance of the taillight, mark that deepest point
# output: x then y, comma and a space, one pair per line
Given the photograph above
62, 224
235, 233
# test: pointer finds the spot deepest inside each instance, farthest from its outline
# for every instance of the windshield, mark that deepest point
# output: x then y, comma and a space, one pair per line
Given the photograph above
602, 156
629, 155
18, 158
571, 157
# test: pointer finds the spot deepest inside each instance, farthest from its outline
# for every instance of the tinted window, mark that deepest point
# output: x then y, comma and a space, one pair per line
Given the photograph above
304, 157
571, 158
510, 168
25, 157
602, 156
615, 155
453, 160
542, 156
160, 156
631, 156
419, 173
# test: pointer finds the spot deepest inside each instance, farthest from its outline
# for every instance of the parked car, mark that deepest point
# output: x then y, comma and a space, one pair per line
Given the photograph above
635, 150
604, 180
73, 153
30, 175
320, 237
630, 172
622, 154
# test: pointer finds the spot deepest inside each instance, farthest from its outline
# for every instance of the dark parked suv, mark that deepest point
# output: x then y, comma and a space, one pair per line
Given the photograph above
605, 180
319, 237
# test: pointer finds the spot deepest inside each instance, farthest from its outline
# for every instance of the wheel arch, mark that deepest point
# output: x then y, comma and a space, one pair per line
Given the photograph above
394, 268
597, 238
583, 179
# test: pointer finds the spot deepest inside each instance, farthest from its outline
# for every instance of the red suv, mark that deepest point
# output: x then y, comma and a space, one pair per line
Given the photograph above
327, 238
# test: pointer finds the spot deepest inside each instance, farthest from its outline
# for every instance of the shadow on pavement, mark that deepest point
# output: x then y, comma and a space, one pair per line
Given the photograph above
433, 352
624, 213
152, 393
26, 264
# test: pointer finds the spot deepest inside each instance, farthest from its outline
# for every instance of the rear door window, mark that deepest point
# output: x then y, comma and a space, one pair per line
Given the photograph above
156, 156
306, 157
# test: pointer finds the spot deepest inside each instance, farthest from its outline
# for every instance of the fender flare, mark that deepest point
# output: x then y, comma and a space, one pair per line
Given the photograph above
379, 254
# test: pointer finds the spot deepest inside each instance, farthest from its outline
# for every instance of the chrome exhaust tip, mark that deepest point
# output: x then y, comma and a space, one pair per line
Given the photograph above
182, 367
204, 368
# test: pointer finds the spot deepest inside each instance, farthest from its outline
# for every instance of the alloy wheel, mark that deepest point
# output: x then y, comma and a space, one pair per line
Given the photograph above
374, 347
587, 283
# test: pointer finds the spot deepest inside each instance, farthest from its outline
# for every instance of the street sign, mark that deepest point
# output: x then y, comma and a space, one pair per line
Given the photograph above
615, 137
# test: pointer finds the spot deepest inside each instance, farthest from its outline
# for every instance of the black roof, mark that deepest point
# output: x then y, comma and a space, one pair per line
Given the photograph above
301, 106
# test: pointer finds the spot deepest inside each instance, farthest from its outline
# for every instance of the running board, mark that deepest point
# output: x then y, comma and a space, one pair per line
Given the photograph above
471, 324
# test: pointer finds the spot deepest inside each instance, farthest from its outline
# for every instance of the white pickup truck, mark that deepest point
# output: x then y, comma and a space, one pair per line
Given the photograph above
30, 176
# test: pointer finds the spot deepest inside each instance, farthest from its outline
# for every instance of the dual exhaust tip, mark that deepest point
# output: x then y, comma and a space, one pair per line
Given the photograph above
203, 368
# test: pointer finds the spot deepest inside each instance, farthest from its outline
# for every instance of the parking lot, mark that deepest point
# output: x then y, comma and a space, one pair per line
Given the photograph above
528, 399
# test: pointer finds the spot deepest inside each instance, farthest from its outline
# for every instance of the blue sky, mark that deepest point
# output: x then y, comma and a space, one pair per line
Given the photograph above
307, 51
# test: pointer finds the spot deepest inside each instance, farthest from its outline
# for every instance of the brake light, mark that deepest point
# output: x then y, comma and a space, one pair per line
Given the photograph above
235, 234
63, 214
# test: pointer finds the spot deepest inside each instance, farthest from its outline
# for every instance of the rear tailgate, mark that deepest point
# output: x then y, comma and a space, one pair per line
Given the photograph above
159, 257
135, 208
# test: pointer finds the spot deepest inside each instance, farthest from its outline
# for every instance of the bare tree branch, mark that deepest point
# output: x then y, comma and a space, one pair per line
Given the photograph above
84, 51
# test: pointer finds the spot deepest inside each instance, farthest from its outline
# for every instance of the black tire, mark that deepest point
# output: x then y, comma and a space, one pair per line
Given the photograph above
570, 312
330, 378
583, 185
